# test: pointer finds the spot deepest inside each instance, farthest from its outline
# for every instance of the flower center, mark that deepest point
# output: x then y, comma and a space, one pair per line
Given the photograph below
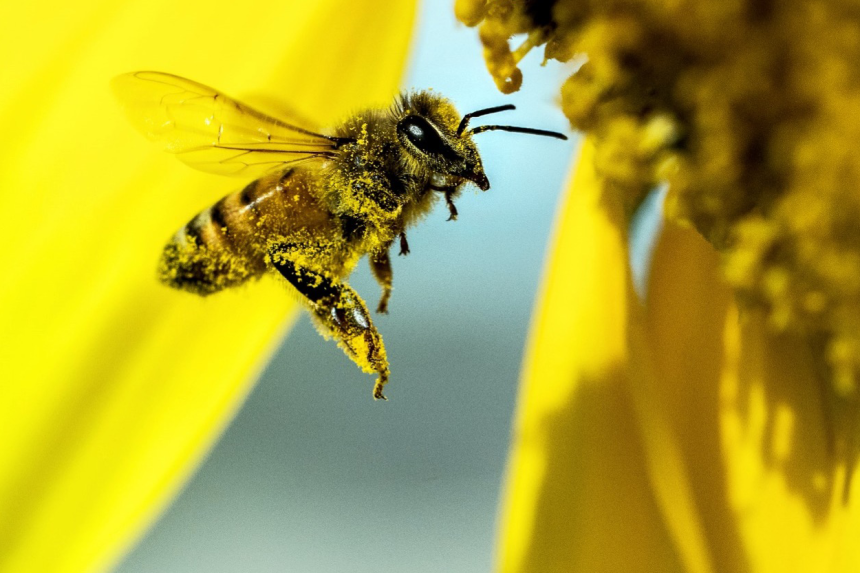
748, 110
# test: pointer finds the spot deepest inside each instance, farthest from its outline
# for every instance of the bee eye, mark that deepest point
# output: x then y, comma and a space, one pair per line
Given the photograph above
423, 136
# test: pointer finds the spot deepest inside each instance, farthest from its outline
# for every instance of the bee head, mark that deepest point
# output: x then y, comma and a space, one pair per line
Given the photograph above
427, 130
432, 132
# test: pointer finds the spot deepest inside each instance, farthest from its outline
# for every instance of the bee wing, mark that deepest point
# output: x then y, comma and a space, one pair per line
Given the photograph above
210, 131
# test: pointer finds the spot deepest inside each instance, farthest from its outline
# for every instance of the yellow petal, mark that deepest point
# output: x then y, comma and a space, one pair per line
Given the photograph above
578, 494
788, 448
766, 456
114, 387
686, 310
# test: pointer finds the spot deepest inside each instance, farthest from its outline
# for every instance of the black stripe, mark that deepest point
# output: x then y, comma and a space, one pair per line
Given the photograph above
192, 233
285, 175
312, 285
248, 195
217, 214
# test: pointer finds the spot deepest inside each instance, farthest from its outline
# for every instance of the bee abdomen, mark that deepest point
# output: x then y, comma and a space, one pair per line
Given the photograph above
206, 255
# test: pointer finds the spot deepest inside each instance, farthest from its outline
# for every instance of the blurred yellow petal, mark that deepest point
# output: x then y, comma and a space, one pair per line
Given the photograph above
767, 456
576, 499
671, 437
115, 386
686, 312
788, 451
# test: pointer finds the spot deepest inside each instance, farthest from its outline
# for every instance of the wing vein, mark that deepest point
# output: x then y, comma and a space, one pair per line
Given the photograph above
203, 127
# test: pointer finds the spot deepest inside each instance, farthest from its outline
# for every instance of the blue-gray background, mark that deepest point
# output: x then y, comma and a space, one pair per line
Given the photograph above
313, 476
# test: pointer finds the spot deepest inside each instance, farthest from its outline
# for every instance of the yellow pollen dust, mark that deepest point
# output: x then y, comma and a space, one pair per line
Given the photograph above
748, 110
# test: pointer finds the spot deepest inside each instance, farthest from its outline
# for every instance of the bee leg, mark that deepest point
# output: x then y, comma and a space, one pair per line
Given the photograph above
339, 313
451, 208
404, 246
449, 199
380, 266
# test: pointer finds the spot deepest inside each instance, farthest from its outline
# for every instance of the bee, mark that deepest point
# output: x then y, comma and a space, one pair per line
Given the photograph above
322, 200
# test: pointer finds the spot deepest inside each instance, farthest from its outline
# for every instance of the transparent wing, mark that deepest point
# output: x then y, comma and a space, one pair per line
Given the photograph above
210, 131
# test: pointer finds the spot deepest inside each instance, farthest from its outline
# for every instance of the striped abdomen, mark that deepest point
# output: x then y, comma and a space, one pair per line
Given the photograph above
224, 245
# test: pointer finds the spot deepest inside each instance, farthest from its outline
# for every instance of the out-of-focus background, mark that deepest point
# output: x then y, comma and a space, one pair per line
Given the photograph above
313, 475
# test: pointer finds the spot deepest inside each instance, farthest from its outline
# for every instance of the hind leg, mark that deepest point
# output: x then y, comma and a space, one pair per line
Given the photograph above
380, 266
339, 312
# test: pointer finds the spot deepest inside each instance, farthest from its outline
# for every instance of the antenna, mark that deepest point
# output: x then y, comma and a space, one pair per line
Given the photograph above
486, 111
483, 128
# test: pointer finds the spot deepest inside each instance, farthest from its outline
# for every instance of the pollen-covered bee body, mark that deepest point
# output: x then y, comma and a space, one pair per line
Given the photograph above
323, 201
227, 243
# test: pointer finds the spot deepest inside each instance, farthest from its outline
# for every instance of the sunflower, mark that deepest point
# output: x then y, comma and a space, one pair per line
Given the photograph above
711, 424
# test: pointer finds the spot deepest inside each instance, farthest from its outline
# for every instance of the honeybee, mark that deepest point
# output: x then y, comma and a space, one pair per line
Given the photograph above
321, 202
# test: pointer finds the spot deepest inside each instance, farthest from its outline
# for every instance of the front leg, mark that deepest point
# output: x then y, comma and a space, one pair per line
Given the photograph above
339, 311
404, 245
450, 191
380, 266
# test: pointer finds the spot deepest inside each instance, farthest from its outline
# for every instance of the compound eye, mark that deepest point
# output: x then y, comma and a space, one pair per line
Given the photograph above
422, 135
